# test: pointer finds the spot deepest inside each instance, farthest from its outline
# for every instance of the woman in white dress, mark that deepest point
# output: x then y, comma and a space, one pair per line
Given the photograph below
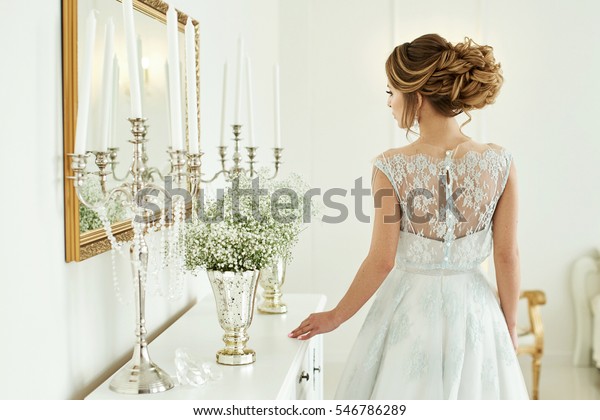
443, 204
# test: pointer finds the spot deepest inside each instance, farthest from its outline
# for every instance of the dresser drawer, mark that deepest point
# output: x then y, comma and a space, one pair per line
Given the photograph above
309, 376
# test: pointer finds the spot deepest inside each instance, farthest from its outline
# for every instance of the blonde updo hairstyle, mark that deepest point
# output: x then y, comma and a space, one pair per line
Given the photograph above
453, 78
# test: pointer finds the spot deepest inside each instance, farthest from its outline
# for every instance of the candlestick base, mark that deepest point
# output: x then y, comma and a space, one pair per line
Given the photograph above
141, 378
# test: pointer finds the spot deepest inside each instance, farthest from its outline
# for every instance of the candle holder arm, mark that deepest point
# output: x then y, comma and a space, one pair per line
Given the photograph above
154, 171
208, 181
78, 165
277, 151
107, 196
112, 161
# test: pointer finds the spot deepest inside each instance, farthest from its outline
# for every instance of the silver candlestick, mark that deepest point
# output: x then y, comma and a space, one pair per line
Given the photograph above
140, 375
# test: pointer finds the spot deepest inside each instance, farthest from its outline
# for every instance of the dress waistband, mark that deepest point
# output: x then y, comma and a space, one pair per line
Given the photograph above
439, 271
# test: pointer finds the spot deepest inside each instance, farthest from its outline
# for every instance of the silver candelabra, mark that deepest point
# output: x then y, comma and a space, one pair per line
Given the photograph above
237, 167
140, 375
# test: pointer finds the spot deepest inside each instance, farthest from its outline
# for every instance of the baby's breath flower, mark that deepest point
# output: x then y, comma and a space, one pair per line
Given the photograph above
252, 235
88, 218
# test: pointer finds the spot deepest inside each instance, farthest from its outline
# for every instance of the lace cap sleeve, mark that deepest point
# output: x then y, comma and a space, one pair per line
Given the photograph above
382, 163
507, 159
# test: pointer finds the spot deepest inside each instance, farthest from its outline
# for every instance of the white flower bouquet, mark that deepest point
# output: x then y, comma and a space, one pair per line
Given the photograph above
249, 226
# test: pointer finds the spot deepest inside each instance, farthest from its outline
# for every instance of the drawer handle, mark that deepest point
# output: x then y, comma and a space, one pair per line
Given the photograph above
304, 375
316, 369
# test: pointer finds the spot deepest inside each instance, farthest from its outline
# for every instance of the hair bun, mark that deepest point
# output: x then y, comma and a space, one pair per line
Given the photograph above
454, 78
469, 74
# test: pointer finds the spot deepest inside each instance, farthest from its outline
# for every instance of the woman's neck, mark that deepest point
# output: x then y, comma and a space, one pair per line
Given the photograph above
437, 130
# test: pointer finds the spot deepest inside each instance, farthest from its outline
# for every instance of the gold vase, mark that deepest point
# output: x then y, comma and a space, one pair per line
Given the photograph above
271, 279
234, 295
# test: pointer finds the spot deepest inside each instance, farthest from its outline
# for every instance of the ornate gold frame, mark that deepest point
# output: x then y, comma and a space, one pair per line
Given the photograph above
79, 247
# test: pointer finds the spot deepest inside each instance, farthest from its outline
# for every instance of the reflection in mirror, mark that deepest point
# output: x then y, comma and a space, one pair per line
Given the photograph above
85, 235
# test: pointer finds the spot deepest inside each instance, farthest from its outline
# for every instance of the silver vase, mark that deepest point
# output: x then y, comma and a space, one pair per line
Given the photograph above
271, 279
234, 295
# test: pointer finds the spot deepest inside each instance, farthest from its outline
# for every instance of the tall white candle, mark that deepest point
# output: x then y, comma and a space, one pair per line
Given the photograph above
277, 107
238, 86
168, 98
85, 86
250, 110
107, 84
115, 103
132, 60
174, 80
223, 108
190, 76
140, 67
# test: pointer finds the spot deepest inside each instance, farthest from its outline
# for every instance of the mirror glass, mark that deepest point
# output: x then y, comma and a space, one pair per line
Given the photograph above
89, 238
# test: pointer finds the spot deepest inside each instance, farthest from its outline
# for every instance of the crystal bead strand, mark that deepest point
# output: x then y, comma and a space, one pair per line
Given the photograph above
163, 250
115, 246
172, 249
179, 238
116, 285
137, 244
153, 266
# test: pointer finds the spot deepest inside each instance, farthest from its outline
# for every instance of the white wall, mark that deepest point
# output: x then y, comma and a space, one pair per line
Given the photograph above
546, 115
63, 330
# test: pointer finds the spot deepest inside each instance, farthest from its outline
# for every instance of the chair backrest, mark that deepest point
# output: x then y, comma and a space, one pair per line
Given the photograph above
585, 285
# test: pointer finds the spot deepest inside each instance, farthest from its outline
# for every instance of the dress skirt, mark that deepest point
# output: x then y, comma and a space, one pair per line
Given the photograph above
433, 335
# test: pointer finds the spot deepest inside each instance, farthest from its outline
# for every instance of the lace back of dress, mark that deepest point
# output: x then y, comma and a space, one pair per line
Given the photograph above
449, 196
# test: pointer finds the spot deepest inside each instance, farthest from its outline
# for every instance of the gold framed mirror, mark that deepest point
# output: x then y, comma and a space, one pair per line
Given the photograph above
84, 235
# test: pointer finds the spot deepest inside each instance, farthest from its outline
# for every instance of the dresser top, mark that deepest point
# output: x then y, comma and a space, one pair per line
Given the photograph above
198, 330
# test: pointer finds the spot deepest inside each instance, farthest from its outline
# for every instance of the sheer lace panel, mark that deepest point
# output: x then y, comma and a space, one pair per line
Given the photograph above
446, 195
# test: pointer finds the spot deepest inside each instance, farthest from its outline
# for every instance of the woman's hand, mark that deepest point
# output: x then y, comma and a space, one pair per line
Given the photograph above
317, 323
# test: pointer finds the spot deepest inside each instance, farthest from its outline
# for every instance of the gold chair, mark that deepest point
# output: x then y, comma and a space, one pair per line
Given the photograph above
531, 339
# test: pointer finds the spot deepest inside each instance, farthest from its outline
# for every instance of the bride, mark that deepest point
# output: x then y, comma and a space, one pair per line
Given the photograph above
443, 204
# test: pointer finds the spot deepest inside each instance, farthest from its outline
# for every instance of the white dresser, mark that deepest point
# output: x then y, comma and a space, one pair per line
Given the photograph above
285, 368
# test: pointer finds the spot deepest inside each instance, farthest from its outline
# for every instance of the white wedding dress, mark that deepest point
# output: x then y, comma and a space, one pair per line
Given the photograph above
435, 329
